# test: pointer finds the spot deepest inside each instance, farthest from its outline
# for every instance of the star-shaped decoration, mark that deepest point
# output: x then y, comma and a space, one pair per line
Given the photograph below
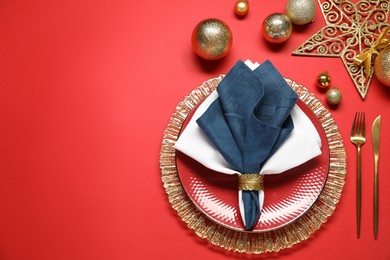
350, 29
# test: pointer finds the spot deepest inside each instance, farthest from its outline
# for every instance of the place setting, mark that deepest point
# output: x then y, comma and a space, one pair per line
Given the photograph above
288, 158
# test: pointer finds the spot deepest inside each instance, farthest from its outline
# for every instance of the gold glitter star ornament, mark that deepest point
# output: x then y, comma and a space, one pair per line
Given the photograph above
351, 28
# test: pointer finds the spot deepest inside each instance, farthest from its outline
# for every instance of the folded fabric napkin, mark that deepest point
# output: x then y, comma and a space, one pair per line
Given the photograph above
250, 125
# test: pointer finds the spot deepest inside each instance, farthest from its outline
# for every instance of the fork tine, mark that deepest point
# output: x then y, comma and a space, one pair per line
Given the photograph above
363, 125
359, 125
354, 124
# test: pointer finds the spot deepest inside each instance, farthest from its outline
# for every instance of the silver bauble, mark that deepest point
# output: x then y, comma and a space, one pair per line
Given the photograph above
333, 96
301, 11
382, 66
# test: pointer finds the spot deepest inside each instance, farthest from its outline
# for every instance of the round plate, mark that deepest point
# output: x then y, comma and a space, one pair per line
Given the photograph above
287, 195
268, 240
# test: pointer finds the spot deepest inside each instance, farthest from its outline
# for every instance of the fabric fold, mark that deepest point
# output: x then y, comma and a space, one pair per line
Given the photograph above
245, 123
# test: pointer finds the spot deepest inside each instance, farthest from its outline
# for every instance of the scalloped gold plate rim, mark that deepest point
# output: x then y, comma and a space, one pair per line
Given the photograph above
241, 241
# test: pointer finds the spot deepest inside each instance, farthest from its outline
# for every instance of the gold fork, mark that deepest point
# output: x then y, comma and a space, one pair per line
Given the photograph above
358, 138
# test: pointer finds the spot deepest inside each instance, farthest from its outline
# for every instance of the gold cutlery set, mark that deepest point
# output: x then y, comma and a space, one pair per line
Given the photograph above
358, 138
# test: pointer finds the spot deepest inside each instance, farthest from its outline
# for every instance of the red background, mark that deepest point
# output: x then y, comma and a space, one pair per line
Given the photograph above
87, 88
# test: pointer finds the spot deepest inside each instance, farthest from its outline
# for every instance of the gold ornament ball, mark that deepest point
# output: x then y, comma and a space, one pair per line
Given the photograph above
301, 11
212, 39
241, 8
323, 80
382, 66
333, 96
277, 28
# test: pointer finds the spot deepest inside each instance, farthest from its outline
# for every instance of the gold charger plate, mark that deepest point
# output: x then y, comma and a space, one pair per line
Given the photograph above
241, 241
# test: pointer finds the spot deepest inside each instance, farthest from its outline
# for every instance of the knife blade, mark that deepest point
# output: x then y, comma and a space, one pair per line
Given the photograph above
376, 131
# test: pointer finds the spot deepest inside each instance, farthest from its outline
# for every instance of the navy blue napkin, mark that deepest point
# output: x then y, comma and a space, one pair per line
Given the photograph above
249, 121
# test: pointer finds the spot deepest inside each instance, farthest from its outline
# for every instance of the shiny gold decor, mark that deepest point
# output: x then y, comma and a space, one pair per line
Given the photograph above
382, 67
333, 96
323, 80
375, 134
244, 241
241, 8
366, 56
277, 28
212, 39
358, 138
251, 181
351, 28
301, 11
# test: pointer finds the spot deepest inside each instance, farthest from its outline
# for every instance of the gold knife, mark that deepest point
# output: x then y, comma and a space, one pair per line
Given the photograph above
376, 131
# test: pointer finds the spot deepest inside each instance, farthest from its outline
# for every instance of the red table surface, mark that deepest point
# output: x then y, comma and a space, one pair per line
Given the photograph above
87, 88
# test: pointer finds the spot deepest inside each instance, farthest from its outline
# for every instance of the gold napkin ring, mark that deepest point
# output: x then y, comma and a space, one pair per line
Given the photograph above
251, 181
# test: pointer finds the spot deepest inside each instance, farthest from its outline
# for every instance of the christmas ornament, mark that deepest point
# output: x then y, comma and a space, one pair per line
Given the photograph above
333, 96
382, 67
350, 28
301, 11
212, 39
277, 28
241, 8
323, 80
366, 56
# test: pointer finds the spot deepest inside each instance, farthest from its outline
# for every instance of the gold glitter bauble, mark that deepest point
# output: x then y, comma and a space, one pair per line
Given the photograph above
301, 11
333, 96
323, 80
241, 8
382, 66
277, 28
212, 39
